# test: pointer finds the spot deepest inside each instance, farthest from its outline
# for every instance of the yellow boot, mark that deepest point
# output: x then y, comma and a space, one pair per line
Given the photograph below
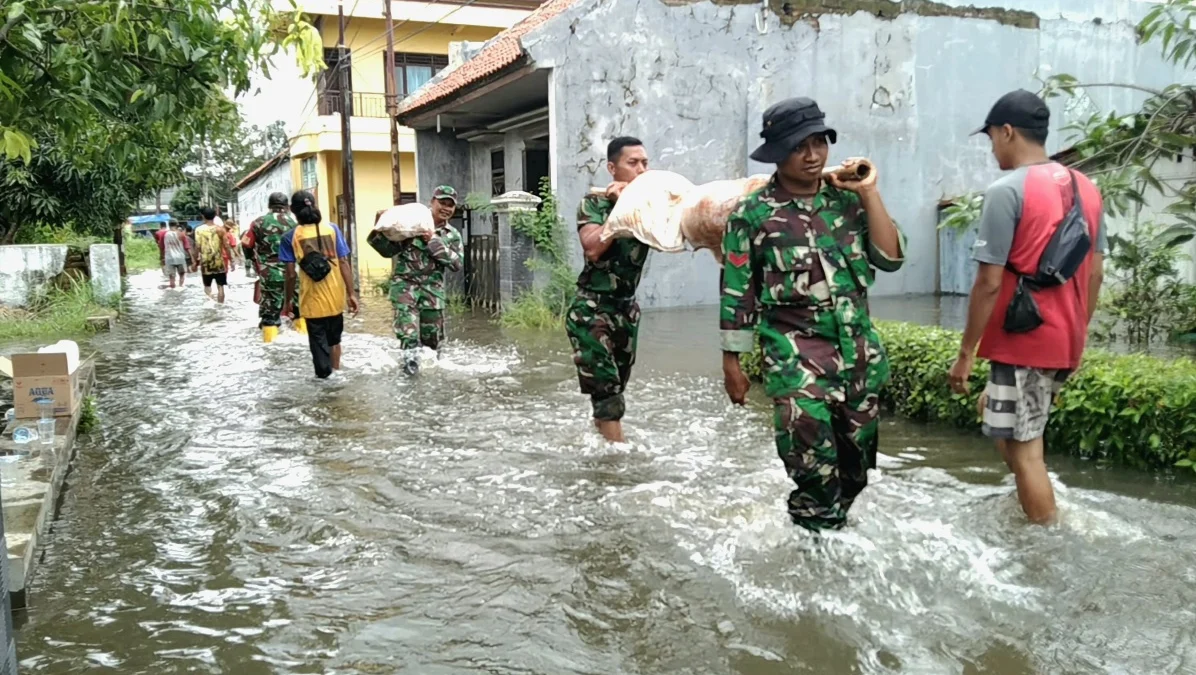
300, 326
269, 333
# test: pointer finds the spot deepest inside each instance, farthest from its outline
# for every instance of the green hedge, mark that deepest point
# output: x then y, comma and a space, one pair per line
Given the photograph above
1126, 409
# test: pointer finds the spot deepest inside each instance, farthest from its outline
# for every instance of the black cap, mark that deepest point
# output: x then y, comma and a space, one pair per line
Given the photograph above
1019, 109
786, 125
277, 199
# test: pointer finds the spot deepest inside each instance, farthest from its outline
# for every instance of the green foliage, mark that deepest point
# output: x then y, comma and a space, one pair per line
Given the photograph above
100, 101
1133, 410
963, 213
479, 203
1147, 301
456, 304
141, 253
544, 308
1121, 150
89, 416
60, 312
225, 156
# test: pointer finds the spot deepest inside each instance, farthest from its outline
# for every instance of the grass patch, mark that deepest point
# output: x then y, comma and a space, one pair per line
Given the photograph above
57, 313
1126, 409
89, 417
141, 253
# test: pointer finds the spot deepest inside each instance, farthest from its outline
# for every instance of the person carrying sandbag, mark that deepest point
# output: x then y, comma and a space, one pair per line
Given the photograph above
799, 256
603, 319
417, 275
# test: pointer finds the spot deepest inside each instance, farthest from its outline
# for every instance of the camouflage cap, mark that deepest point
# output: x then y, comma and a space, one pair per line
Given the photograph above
445, 192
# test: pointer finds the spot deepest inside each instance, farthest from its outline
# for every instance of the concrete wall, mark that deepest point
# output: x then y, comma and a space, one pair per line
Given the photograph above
443, 159
253, 199
692, 79
24, 270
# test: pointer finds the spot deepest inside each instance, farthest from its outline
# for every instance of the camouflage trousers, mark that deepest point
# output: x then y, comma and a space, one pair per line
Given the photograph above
827, 446
603, 332
417, 321
272, 283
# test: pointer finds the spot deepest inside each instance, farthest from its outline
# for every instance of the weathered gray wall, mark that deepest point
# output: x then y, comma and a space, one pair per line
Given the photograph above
692, 79
253, 200
442, 160
27, 270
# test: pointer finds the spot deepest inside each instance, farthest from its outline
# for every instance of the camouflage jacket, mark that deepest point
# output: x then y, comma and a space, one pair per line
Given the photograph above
617, 273
423, 264
797, 272
267, 234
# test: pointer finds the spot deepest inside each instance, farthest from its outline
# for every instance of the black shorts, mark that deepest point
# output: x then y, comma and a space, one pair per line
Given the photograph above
221, 279
322, 335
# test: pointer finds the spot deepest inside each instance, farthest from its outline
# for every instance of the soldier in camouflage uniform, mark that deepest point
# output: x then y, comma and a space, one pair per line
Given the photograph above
261, 242
417, 277
603, 320
800, 255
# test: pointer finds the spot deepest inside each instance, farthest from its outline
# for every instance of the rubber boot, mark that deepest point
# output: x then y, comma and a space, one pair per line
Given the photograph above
411, 365
269, 333
300, 326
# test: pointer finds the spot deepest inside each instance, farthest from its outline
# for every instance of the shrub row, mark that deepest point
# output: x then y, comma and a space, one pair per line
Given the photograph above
1134, 410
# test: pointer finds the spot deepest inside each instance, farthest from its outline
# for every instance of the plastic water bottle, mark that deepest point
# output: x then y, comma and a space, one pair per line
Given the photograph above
45, 425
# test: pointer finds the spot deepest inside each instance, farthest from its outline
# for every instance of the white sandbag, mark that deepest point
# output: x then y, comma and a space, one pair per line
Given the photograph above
649, 210
707, 207
406, 221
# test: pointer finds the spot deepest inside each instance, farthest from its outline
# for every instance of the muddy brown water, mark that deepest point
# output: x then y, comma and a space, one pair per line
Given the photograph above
235, 516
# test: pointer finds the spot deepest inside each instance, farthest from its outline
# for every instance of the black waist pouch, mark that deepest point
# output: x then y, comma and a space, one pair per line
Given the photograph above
1022, 315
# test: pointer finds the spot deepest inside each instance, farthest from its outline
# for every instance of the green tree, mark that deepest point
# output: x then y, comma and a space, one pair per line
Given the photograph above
1122, 151
117, 93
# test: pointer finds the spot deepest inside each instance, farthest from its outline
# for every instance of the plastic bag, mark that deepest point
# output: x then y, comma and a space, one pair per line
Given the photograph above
407, 221
649, 210
705, 211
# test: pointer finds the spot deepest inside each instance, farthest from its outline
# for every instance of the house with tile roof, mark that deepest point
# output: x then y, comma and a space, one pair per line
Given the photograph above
903, 83
427, 39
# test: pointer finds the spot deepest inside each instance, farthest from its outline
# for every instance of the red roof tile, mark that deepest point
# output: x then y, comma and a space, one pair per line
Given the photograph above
501, 51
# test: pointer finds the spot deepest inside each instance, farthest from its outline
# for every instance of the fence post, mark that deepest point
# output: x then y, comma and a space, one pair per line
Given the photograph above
515, 249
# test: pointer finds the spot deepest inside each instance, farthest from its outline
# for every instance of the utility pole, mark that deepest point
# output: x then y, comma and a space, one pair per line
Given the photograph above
348, 221
392, 106
203, 167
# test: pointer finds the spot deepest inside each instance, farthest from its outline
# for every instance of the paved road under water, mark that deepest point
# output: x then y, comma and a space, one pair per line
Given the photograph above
236, 516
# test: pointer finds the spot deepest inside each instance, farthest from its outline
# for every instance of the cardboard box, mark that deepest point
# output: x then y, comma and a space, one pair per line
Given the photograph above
37, 376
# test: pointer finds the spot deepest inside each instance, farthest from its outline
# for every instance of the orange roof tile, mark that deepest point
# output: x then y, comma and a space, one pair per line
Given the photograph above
501, 51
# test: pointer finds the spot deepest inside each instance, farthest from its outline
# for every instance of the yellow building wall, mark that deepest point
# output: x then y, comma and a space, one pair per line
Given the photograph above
366, 41
371, 177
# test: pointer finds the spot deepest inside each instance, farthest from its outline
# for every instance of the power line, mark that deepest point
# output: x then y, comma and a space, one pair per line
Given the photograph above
332, 72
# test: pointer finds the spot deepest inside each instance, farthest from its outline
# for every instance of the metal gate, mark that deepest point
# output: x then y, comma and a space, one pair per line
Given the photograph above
481, 281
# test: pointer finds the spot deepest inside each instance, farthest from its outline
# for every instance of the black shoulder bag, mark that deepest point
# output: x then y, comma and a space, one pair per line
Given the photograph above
1063, 255
314, 263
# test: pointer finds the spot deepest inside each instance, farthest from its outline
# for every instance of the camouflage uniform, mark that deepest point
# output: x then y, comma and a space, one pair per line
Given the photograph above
797, 273
603, 319
417, 283
267, 233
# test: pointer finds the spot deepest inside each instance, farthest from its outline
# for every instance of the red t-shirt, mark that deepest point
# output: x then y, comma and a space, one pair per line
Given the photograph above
1021, 212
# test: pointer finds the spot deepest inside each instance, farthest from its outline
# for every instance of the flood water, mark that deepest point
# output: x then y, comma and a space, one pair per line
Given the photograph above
234, 515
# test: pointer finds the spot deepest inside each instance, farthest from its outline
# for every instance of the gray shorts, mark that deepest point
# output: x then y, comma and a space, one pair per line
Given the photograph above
175, 269
1019, 401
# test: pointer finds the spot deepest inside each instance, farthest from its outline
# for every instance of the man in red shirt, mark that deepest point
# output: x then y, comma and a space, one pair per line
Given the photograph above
1021, 212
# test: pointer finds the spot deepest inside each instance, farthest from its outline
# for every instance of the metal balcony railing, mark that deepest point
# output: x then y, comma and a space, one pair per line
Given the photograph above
362, 104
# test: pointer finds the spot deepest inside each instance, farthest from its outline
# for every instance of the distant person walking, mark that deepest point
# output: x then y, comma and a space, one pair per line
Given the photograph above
212, 241
160, 239
1033, 353
325, 280
177, 254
